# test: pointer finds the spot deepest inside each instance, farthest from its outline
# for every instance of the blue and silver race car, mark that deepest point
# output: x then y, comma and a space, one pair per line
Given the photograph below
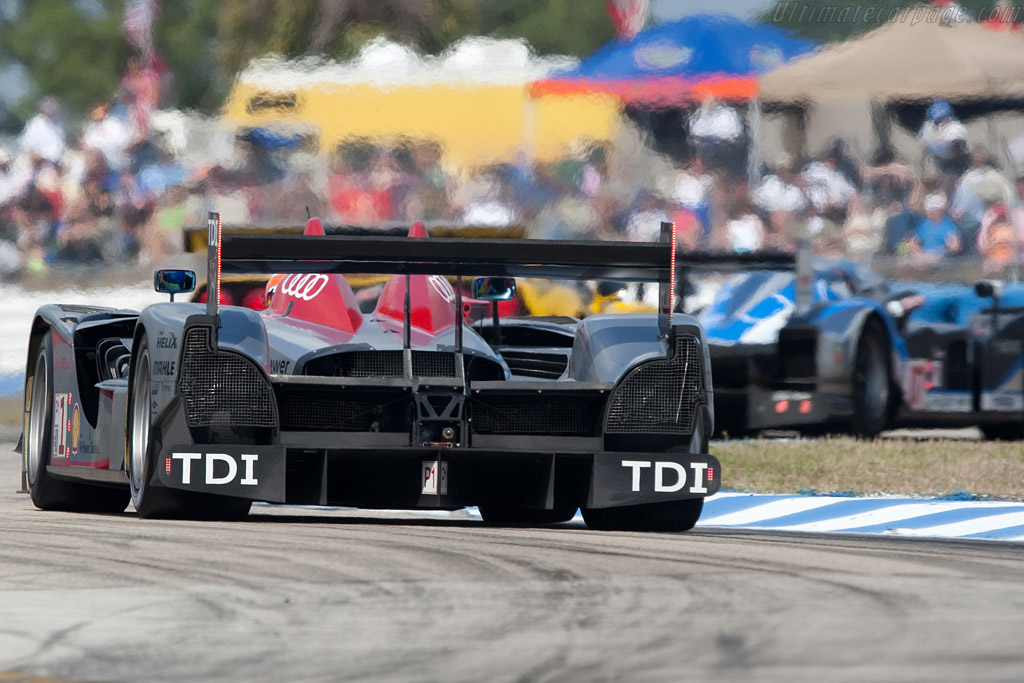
830, 345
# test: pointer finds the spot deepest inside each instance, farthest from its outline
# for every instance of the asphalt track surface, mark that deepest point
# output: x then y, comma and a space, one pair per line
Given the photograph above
307, 595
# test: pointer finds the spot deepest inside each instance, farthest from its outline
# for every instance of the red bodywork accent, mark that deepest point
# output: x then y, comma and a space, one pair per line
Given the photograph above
431, 297
322, 299
328, 300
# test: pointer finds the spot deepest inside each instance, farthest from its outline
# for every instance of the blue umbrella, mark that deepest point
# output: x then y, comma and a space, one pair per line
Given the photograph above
669, 60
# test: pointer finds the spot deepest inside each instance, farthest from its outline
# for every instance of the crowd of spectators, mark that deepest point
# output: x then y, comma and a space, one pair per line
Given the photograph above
117, 192
107, 193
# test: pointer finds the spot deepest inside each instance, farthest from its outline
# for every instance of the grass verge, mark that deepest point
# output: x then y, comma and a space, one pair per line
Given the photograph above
925, 467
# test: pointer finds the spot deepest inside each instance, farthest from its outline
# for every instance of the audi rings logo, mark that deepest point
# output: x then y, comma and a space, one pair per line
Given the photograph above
442, 287
304, 287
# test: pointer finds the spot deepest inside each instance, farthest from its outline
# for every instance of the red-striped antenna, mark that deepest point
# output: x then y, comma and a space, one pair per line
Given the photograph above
215, 228
667, 295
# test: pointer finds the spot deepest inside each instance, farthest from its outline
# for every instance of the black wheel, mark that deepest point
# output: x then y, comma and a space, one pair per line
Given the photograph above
872, 385
149, 501
156, 501
48, 492
1012, 431
502, 516
677, 515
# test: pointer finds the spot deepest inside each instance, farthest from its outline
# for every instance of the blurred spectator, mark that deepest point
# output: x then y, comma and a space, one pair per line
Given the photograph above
888, 179
352, 195
997, 240
978, 189
744, 230
163, 234
827, 188
781, 196
692, 192
900, 225
645, 218
862, 232
494, 206
716, 133
88, 225
109, 135
944, 140
142, 84
936, 235
12, 183
43, 135
430, 184
165, 172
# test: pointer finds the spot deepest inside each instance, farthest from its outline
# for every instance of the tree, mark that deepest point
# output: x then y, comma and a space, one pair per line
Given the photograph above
338, 28
185, 34
335, 28
567, 27
76, 51
68, 52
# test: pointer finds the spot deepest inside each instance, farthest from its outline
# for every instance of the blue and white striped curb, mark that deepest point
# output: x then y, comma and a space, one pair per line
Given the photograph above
926, 518
995, 520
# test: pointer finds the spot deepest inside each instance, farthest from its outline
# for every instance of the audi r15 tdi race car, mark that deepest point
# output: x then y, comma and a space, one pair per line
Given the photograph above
197, 410
829, 344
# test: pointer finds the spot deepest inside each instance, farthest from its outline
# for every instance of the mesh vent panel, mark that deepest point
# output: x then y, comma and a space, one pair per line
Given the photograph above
570, 416
370, 364
660, 396
388, 364
222, 389
433, 364
303, 412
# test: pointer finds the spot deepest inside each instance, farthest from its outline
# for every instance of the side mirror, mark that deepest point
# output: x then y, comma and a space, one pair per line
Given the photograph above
494, 288
174, 281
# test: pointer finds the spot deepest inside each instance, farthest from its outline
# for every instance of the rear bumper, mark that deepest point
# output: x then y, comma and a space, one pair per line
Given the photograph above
381, 470
415, 478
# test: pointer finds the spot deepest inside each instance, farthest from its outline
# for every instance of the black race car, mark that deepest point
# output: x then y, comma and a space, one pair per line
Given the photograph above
197, 410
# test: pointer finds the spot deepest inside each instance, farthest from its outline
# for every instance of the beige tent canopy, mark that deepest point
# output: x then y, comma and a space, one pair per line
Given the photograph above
906, 61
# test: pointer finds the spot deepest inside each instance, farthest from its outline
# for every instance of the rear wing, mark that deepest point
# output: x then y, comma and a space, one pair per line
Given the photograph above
459, 257
570, 260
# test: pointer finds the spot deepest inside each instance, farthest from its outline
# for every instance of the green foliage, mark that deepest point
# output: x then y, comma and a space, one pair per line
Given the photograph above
76, 51
76, 56
836, 20
185, 34
80, 56
295, 28
568, 27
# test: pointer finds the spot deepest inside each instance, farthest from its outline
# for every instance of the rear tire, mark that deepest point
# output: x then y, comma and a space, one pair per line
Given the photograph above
158, 502
48, 492
677, 515
872, 385
1006, 431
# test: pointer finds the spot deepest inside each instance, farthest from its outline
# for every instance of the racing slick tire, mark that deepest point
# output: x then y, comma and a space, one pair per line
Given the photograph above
502, 516
872, 385
1013, 431
677, 515
157, 502
48, 492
